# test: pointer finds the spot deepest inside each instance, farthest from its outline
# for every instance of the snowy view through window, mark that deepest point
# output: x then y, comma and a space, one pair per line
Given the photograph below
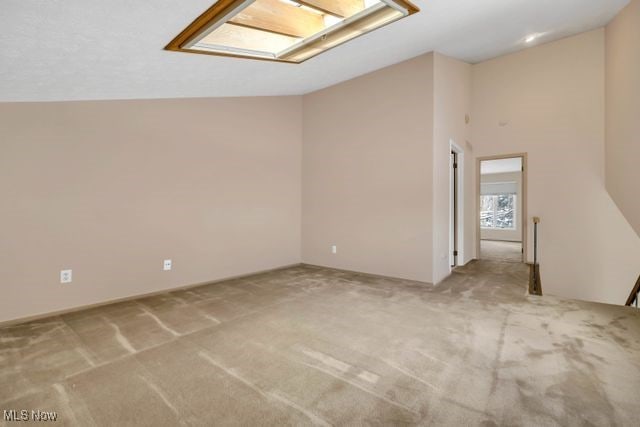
498, 211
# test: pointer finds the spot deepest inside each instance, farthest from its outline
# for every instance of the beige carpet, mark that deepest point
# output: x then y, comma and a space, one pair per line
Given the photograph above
311, 346
501, 251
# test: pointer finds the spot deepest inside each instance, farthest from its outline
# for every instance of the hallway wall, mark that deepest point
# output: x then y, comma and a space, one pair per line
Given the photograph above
549, 101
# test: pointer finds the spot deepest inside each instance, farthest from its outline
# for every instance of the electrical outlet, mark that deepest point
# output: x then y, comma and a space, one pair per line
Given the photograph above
334, 249
167, 265
66, 276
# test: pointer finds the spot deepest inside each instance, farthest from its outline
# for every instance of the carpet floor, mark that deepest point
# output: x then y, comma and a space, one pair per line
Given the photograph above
315, 346
495, 250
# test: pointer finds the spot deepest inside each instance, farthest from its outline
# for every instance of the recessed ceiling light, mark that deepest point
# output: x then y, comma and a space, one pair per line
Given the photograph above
285, 30
531, 38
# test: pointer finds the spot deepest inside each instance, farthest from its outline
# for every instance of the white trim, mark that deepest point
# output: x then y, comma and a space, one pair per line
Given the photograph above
196, 41
332, 29
189, 44
453, 146
395, 6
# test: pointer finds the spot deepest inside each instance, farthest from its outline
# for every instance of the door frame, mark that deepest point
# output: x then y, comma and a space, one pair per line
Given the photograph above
524, 215
454, 217
459, 232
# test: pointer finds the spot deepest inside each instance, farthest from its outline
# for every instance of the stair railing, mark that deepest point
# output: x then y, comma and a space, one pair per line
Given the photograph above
635, 295
535, 286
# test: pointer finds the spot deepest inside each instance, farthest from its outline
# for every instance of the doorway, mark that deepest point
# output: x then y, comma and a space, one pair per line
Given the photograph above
501, 214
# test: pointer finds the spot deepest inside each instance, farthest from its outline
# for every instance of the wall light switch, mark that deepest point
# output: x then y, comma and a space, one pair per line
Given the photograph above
334, 249
167, 265
65, 276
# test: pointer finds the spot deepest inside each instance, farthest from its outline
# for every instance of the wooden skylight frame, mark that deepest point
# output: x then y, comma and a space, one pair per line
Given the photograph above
285, 30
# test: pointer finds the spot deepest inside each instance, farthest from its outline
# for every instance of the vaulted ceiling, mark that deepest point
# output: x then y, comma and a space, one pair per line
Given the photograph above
90, 49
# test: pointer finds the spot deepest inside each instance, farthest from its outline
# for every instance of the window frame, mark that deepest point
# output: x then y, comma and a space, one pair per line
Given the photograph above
224, 10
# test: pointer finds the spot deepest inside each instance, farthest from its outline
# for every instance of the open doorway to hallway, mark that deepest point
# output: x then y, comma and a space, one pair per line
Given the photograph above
502, 208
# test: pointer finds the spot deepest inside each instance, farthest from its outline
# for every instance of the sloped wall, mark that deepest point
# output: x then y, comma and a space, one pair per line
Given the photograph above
623, 112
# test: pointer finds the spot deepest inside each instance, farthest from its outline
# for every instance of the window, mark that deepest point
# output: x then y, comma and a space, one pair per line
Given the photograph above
285, 30
498, 211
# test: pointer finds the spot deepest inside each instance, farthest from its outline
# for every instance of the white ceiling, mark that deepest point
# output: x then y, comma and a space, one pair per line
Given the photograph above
98, 49
501, 166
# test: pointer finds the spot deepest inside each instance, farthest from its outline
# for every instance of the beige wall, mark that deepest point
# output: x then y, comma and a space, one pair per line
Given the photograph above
367, 176
111, 189
548, 101
623, 112
225, 187
452, 102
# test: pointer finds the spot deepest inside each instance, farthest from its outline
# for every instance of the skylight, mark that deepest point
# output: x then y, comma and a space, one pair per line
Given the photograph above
285, 30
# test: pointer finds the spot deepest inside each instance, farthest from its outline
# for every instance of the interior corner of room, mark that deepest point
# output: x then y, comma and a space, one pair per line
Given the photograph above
289, 189
428, 224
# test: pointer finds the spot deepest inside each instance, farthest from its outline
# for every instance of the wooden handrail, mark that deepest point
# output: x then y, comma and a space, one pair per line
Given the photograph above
634, 293
535, 287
